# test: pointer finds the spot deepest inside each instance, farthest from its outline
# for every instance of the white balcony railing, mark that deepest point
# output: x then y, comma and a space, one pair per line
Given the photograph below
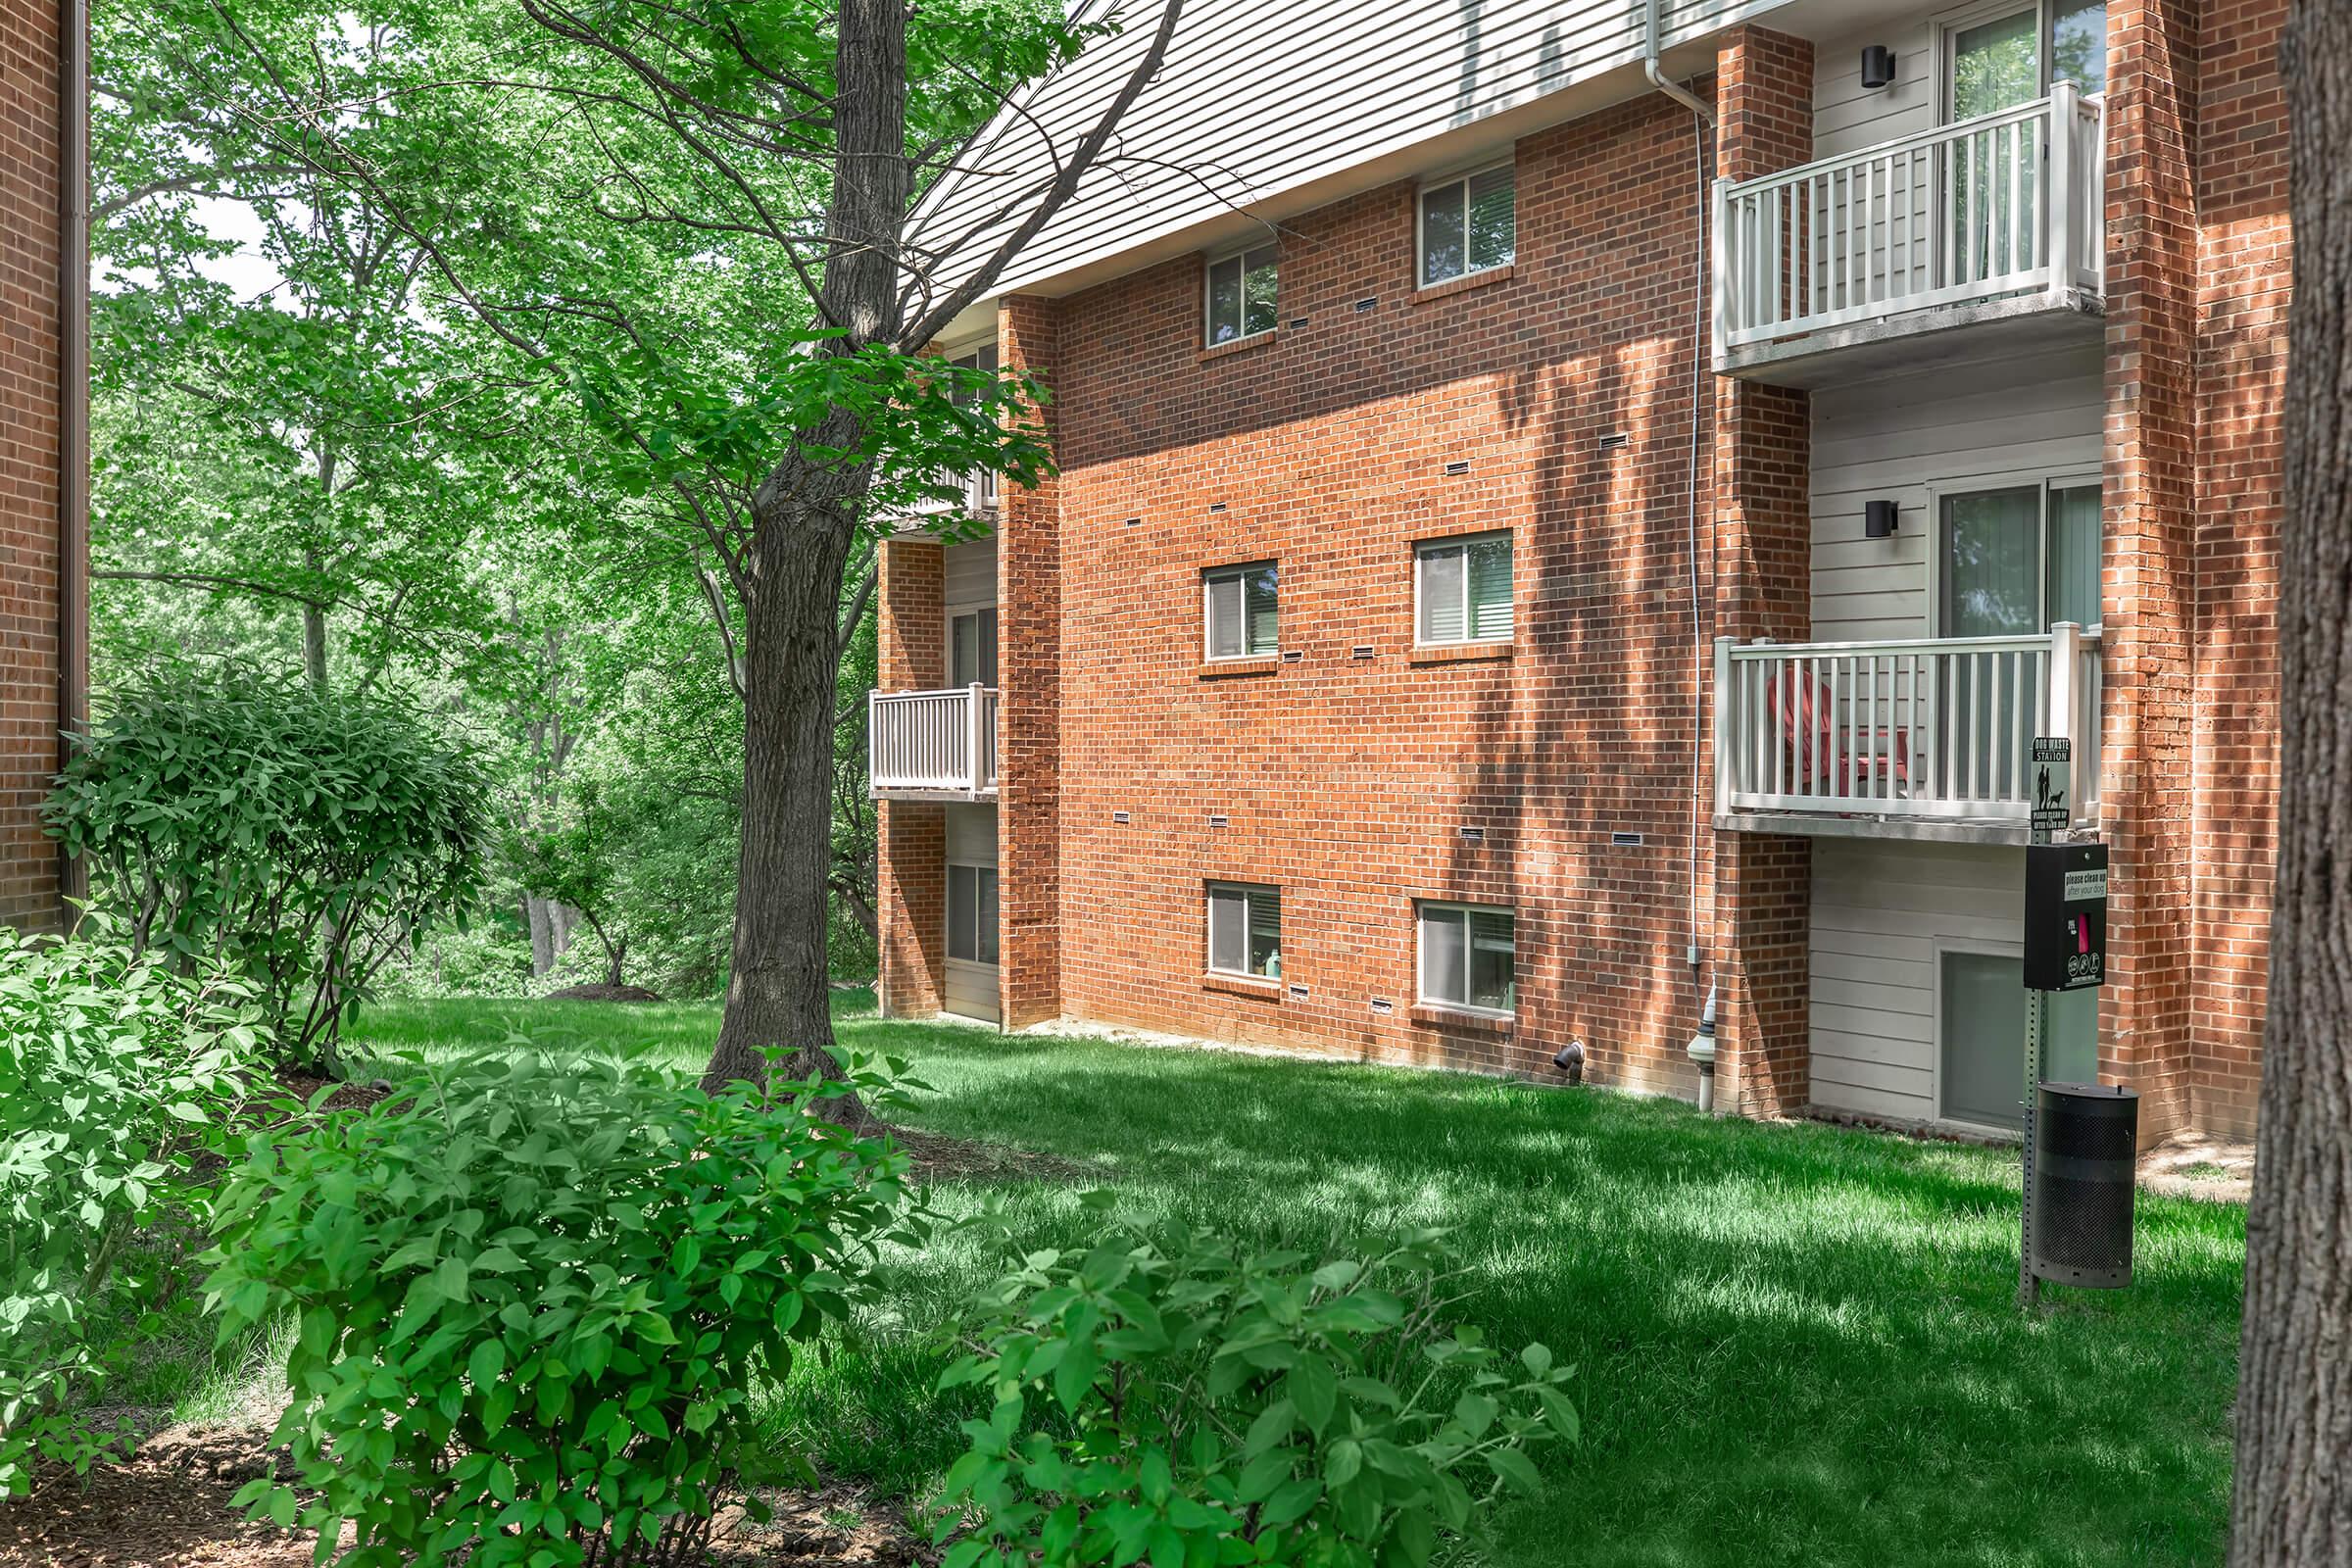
932, 745
978, 498
2005, 204
1926, 729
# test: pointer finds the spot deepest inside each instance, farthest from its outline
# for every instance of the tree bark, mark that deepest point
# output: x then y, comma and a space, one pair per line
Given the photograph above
2292, 1506
805, 517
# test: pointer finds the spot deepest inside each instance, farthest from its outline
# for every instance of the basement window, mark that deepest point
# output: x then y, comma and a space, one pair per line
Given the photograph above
1469, 224
1240, 295
1469, 956
1245, 930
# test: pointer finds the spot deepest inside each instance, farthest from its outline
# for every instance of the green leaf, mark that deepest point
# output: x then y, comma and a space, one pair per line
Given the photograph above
1313, 1390
1515, 1470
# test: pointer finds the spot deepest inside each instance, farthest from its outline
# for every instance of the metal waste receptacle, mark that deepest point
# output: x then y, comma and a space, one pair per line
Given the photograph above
2085, 1137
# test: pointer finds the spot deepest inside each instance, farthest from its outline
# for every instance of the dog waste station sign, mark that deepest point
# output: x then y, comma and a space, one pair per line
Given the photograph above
2065, 949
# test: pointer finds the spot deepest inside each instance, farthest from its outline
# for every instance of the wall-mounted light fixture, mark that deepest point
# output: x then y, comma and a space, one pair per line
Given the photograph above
1877, 67
1877, 520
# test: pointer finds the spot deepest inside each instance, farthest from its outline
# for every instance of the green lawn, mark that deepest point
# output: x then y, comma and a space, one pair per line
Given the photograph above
1797, 1343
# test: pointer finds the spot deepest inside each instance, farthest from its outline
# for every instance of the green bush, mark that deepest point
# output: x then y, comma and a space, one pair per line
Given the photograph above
1187, 1402
301, 838
115, 1076
532, 1301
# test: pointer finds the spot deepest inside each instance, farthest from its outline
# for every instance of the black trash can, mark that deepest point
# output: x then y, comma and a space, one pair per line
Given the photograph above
2085, 1137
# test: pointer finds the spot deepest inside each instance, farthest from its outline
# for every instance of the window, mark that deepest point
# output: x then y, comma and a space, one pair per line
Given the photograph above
1462, 589
2014, 561
1239, 602
1998, 58
1468, 225
973, 913
1245, 930
972, 647
1240, 295
1980, 1028
1467, 958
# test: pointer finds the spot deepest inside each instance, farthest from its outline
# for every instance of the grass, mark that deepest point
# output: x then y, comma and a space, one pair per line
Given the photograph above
1796, 1342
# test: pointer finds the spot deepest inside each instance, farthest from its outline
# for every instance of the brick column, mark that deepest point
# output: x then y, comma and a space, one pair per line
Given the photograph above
2246, 273
910, 871
2148, 588
1763, 546
1029, 704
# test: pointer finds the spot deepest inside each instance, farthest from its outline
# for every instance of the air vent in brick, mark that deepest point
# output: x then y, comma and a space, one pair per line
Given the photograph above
1458, 466
1615, 438
1472, 835
1366, 303
1360, 651
1122, 816
1218, 819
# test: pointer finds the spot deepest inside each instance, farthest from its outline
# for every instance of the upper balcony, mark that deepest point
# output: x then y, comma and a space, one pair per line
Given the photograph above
977, 494
1928, 738
1993, 225
932, 746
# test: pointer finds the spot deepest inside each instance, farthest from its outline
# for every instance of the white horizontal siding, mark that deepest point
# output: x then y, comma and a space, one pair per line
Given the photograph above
1880, 910
2005, 419
1849, 117
970, 991
1254, 100
971, 834
971, 573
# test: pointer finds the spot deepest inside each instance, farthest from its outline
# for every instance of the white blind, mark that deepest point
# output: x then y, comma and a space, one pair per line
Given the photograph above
1443, 616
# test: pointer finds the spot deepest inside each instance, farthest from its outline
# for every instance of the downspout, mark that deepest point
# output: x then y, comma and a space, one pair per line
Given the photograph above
73, 409
1652, 41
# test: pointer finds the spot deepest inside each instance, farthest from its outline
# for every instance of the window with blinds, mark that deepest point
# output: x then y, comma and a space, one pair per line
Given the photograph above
1469, 956
1469, 226
1239, 606
1242, 295
973, 913
1462, 589
1244, 929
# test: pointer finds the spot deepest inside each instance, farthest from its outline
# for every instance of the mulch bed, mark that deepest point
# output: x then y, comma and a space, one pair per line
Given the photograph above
169, 1507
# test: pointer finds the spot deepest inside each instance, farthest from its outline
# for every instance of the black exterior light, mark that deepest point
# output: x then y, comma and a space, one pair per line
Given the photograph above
1877, 67
1877, 520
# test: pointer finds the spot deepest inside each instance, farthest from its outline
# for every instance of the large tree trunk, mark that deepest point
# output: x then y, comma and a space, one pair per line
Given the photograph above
2293, 1502
777, 995
805, 517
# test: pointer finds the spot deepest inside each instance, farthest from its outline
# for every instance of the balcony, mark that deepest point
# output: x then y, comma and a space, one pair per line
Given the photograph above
976, 497
1844, 266
932, 746
1926, 739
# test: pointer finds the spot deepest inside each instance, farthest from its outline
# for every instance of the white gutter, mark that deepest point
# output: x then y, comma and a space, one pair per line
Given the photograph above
1658, 78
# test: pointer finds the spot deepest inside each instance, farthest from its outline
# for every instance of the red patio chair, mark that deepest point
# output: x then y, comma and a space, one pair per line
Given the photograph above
1803, 713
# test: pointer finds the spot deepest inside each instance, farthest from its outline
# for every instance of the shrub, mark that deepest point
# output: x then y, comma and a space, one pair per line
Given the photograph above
302, 838
533, 1300
1187, 1402
115, 1076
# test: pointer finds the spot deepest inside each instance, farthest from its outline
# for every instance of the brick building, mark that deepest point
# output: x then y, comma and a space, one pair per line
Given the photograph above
43, 435
1534, 544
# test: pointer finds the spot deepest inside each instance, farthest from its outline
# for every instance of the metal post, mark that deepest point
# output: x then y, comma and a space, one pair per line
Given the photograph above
2041, 825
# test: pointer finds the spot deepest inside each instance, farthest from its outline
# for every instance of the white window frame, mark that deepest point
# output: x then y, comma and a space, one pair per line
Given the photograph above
1426, 907
2048, 480
1241, 254
1213, 576
1461, 178
1447, 541
947, 914
1208, 925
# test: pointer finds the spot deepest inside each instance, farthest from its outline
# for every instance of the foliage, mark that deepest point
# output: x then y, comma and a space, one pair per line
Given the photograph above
115, 1075
299, 837
1194, 1401
533, 1300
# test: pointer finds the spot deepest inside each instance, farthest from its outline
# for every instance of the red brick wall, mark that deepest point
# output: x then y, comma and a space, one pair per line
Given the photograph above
1029, 612
2150, 567
910, 871
2243, 281
1348, 781
31, 314
1763, 548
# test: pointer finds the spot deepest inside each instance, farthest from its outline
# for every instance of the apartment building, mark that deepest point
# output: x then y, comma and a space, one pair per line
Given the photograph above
1562, 509
44, 376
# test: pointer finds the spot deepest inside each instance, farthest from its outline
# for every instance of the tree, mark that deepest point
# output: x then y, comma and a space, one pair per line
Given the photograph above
2293, 1501
746, 154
